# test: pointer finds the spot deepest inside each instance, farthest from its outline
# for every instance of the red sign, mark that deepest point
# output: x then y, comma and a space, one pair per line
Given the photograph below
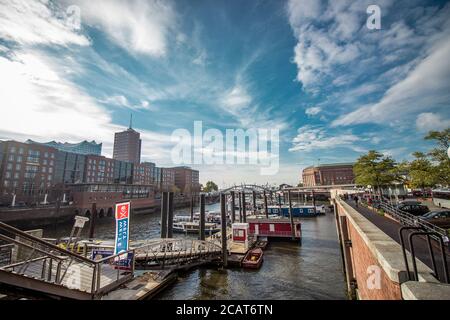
122, 211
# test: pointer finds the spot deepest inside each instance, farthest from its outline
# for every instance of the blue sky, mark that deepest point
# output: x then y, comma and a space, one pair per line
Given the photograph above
311, 69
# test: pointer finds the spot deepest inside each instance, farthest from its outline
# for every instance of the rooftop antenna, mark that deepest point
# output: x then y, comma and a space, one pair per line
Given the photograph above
131, 121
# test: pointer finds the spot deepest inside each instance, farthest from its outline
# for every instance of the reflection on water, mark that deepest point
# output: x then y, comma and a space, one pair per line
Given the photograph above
289, 271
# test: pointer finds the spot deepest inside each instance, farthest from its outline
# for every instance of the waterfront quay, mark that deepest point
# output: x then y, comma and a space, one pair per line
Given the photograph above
341, 253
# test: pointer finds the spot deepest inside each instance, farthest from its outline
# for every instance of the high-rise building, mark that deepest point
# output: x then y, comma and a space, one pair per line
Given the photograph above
127, 145
328, 174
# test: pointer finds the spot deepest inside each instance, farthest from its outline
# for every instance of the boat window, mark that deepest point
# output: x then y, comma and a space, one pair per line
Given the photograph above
272, 227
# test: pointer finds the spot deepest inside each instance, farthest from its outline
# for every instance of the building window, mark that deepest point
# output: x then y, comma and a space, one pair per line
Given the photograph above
6, 183
44, 169
49, 178
16, 175
52, 156
8, 175
9, 166
19, 158
44, 162
18, 167
12, 149
20, 150
11, 157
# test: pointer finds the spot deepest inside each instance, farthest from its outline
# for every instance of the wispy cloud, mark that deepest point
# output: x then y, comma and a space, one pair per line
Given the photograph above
35, 23
139, 26
310, 138
312, 111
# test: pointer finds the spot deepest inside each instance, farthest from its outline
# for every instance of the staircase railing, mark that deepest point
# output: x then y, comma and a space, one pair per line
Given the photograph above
36, 258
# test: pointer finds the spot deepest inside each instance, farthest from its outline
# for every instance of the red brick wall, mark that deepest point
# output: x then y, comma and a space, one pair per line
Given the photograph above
362, 259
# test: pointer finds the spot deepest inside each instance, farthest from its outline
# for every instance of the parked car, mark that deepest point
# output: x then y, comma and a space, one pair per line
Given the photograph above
410, 202
414, 209
438, 218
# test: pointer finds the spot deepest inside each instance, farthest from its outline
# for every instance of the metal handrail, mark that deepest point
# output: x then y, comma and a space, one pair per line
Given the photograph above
411, 220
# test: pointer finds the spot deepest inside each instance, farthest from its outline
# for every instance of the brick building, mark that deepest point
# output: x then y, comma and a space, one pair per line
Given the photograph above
143, 173
26, 170
187, 179
328, 174
127, 146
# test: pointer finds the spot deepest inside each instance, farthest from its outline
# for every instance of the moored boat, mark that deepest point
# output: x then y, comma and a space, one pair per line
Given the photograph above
253, 259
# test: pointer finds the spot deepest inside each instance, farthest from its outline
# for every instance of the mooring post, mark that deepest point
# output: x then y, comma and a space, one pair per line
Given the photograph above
93, 220
224, 229
254, 201
313, 201
279, 202
202, 217
291, 216
266, 210
233, 216
170, 216
192, 208
240, 207
164, 197
244, 209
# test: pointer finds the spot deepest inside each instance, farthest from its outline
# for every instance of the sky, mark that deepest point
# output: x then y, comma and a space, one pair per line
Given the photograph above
311, 69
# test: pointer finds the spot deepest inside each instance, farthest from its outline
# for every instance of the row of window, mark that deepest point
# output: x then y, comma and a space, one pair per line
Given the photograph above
30, 159
32, 153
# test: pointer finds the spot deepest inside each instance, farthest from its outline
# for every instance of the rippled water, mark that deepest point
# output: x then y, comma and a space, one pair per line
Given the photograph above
289, 271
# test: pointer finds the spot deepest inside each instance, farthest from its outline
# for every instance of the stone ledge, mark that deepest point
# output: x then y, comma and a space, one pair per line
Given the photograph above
413, 290
385, 249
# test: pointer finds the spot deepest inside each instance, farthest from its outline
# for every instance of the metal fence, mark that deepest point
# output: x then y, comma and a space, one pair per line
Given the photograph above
410, 220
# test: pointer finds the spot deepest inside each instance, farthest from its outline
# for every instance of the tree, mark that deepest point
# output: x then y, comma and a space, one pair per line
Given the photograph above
439, 155
300, 185
375, 169
421, 171
210, 186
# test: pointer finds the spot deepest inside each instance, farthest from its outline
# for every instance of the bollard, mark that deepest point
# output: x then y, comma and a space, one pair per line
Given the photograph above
233, 216
240, 207
291, 216
164, 197
93, 220
202, 218
170, 216
266, 210
224, 230
254, 201
244, 209
192, 208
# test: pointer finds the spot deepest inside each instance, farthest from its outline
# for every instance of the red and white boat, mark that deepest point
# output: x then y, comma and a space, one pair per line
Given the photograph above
253, 259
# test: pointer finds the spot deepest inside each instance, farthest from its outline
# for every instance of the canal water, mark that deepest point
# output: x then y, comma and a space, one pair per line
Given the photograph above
290, 271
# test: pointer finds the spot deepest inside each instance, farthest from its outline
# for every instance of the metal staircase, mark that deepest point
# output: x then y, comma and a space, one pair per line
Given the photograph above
42, 268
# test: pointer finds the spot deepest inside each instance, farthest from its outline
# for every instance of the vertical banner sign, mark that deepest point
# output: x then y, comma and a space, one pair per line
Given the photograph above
122, 227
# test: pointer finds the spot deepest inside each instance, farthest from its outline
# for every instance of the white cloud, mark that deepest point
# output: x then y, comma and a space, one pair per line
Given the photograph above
310, 138
313, 111
424, 87
237, 99
428, 121
34, 22
39, 103
140, 26
122, 101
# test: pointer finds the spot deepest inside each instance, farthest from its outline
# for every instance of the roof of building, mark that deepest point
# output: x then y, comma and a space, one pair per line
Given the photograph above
70, 147
326, 165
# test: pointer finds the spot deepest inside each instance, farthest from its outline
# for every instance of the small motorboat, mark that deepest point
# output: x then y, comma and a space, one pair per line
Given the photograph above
253, 259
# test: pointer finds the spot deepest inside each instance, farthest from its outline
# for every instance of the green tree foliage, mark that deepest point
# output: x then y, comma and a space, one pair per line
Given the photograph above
421, 171
375, 169
210, 187
439, 155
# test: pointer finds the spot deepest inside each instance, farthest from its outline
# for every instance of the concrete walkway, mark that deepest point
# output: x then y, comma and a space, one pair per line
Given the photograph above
391, 228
